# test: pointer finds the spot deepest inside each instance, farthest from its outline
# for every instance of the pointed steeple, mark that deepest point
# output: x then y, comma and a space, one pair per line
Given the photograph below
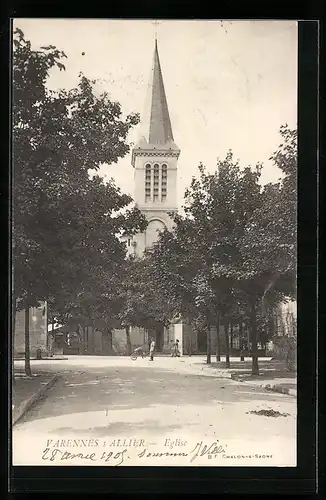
156, 129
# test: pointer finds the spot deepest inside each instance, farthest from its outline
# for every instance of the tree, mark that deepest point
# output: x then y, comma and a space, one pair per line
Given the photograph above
63, 217
145, 303
230, 240
285, 158
220, 204
268, 247
177, 267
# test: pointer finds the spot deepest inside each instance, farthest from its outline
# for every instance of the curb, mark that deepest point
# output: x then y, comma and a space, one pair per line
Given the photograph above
47, 358
268, 387
28, 403
50, 358
211, 373
234, 376
280, 389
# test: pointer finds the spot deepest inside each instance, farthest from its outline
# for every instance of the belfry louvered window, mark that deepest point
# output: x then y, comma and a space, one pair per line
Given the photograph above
156, 182
156, 178
148, 182
164, 182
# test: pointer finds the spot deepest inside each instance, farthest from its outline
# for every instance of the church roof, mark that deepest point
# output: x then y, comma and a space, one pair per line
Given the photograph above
156, 129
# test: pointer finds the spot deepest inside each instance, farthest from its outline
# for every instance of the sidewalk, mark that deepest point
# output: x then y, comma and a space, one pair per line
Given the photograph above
27, 390
273, 375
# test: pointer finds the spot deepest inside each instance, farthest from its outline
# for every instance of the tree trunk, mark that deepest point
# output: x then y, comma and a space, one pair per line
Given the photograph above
80, 340
248, 339
128, 340
108, 332
110, 340
85, 337
254, 353
227, 345
208, 360
231, 335
241, 341
290, 359
190, 344
218, 344
28, 370
52, 339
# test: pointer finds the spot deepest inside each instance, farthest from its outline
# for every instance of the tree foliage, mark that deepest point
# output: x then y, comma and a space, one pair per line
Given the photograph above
233, 252
66, 222
144, 303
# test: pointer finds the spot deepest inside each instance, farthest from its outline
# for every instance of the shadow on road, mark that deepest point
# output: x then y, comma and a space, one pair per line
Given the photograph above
265, 365
111, 388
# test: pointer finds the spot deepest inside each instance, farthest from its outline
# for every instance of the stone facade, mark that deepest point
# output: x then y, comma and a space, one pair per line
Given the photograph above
37, 330
141, 337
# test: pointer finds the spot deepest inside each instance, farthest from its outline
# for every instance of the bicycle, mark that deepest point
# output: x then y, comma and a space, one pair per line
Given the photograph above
138, 353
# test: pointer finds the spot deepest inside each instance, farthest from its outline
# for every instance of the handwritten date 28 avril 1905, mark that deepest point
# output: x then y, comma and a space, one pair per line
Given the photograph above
119, 457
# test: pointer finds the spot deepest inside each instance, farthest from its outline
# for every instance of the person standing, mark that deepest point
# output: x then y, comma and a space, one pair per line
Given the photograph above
151, 349
175, 349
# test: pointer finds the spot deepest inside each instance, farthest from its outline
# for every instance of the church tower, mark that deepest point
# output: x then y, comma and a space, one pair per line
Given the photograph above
154, 158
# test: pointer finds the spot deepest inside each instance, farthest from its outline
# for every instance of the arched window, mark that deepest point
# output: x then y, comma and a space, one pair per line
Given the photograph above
148, 182
164, 182
156, 182
152, 231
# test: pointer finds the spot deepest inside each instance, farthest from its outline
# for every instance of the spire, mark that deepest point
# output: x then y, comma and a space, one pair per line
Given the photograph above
156, 129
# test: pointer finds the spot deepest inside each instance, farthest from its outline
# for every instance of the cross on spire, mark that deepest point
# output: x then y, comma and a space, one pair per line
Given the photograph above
155, 24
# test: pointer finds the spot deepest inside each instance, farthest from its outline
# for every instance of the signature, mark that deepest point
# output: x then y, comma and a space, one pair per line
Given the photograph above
56, 453
200, 449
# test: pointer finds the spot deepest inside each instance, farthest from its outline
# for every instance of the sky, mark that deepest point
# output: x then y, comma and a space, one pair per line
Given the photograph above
229, 84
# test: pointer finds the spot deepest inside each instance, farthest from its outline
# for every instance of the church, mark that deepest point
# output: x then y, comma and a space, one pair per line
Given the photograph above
155, 162
154, 159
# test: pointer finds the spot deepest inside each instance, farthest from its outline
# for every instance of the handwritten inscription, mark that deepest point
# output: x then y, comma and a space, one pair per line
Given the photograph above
50, 454
55, 453
199, 450
160, 454
107, 452
202, 449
